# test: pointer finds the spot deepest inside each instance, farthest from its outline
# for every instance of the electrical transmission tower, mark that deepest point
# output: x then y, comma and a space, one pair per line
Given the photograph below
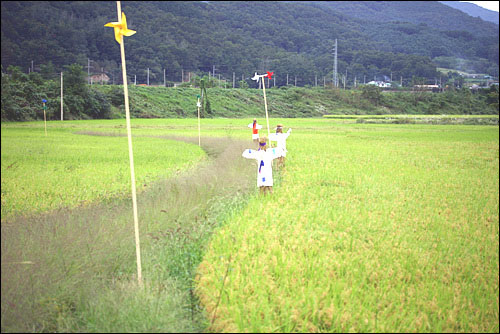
334, 52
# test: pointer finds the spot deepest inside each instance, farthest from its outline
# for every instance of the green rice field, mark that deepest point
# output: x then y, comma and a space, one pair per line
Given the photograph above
370, 227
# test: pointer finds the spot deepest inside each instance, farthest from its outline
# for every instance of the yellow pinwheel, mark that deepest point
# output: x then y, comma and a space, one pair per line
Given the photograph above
120, 28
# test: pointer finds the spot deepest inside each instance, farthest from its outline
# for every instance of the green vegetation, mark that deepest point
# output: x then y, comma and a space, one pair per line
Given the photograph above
420, 119
371, 227
297, 102
64, 169
22, 96
374, 228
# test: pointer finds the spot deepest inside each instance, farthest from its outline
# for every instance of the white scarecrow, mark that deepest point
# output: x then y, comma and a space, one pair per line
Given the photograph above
264, 159
280, 138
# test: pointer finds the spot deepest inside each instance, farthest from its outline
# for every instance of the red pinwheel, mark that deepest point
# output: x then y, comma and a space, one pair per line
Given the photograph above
269, 75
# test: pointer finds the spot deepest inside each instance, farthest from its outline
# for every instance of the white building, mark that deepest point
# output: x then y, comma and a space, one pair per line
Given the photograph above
380, 84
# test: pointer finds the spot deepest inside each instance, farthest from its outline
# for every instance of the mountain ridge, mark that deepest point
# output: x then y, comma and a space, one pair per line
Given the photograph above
242, 37
474, 10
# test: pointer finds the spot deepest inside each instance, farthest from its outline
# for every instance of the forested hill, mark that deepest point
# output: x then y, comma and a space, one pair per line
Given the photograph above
238, 37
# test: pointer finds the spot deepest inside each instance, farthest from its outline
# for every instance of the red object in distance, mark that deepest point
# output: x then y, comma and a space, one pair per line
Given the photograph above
270, 74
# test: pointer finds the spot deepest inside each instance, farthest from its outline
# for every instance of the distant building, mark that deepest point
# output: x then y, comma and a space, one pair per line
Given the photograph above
380, 84
98, 78
432, 88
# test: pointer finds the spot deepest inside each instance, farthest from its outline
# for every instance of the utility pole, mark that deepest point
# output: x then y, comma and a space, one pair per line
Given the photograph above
234, 79
274, 84
148, 76
295, 81
135, 80
345, 78
164, 79
88, 70
182, 75
335, 82
287, 79
32, 68
315, 80
364, 80
214, 71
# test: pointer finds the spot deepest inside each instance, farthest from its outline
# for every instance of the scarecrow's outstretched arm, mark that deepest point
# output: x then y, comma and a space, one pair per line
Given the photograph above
250, 154
276, 152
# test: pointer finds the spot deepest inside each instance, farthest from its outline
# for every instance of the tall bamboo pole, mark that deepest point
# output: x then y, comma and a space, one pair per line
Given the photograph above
265, 106
44, 118
199, 129
130, 151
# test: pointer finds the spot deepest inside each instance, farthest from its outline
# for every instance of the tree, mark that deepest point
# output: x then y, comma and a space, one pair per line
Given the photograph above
372, 93
243, 84
74, 79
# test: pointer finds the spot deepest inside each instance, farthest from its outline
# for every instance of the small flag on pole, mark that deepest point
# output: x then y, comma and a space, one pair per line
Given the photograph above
44, 117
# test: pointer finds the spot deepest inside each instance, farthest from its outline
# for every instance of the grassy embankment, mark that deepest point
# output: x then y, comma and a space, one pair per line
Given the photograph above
295, 102
372, 228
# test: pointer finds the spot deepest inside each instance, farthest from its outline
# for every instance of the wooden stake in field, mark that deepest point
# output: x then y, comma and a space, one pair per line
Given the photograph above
44, 117
62, 96
198, 104
120, 31
256, 77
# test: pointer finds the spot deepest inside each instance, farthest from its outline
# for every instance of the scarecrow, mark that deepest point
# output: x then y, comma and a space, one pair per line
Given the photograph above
255, 130
264, 157
280, 138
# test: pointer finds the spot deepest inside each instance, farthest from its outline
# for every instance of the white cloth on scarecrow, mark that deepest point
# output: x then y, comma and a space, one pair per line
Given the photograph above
280, 139
264, 164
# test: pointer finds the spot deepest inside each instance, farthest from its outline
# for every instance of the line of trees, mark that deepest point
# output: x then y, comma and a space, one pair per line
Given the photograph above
22, 96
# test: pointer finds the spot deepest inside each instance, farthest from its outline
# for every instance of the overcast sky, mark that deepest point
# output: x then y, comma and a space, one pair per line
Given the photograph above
491, 5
